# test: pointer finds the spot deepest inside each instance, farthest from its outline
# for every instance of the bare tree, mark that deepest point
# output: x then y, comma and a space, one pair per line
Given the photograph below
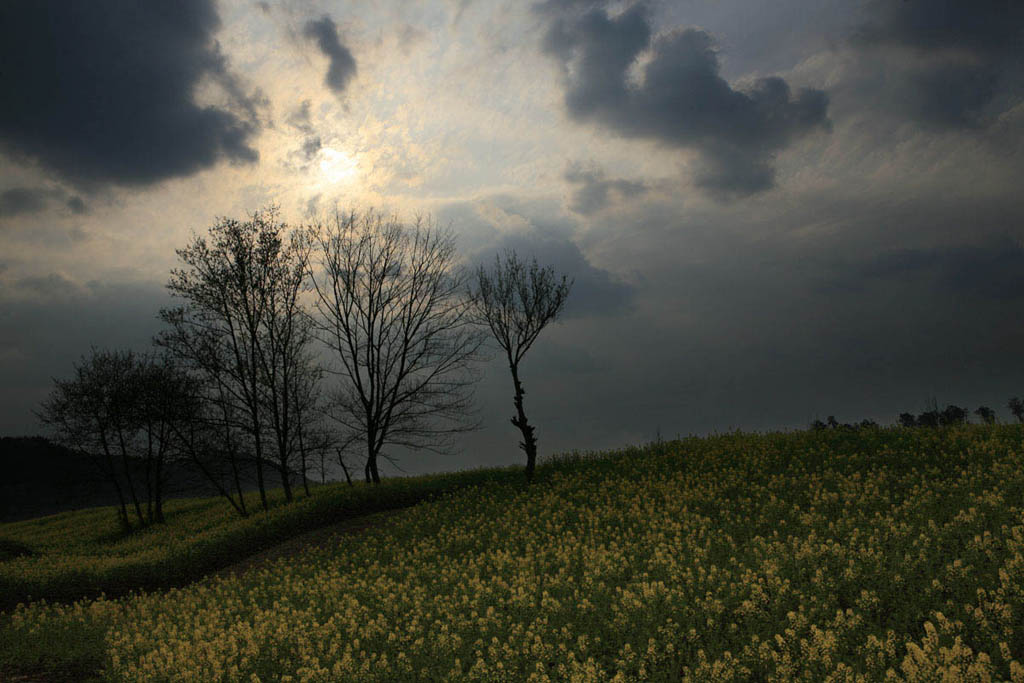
516, 301
391, 309
120, 409
165, 397
84, 412
243, 330
1016, 407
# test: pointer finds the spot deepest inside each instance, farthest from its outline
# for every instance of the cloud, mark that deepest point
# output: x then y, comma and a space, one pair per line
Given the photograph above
679, 99
951, 60
49, 287
105, 91
77, 205
993, 271
301, 120
595, 191
535, 230
342, 64
19, 200
25, 200
981, 26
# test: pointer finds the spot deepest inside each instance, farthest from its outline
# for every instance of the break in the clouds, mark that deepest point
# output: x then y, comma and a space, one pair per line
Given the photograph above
342, 65
680, 98
952, 61
104, 91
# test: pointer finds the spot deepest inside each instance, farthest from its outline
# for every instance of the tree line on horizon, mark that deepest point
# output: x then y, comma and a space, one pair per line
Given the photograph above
931, 417
291, 346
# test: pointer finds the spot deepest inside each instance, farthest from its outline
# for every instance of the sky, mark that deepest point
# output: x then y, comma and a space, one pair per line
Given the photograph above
773, 212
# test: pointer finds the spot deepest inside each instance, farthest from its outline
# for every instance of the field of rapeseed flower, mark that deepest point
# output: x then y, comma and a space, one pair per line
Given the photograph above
82, 553
868, 555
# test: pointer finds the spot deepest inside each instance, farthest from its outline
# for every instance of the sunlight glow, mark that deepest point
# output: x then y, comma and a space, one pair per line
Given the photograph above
337, 166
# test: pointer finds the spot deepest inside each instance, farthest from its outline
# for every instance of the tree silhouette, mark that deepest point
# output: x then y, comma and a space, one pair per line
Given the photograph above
1017, 408
952, 415
243, 330
907, 420
391, 309
119, 409
516, 301
987, 415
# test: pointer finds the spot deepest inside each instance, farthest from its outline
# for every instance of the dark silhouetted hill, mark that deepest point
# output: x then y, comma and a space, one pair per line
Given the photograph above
39, 477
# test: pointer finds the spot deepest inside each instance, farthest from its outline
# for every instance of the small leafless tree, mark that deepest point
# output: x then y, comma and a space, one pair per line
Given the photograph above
516, 300
391, 309
84, 413
120, 409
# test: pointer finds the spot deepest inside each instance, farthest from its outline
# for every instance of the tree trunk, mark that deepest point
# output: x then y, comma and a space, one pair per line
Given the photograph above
259, 482
372, 475
282, 468
122, 512
158, 479
302, 457
128, 478
344, 469
233, 458
529, 442
238, 486
149, 474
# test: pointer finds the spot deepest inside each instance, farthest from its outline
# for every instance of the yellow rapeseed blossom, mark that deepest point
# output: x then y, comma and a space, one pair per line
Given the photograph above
875, 555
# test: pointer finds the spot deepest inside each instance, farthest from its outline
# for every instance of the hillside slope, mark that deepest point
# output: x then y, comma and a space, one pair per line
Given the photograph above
879, 554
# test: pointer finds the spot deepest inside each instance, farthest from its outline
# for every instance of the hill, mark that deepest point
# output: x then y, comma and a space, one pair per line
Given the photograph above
872, 554
43, 478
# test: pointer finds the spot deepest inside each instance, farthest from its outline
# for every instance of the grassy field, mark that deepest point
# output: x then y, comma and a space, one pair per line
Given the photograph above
892, 554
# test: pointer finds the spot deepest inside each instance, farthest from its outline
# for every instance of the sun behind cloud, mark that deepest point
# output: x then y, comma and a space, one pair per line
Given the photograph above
337, 166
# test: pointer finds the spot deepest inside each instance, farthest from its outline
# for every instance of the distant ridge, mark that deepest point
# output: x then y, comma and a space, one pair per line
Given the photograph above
39, 477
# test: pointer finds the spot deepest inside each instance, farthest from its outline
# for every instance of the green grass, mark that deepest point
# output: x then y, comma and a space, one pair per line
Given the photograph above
878, 554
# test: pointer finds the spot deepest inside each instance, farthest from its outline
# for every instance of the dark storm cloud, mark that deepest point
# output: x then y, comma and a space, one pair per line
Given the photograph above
102, 92
342, 64
594, 191
994, 271
969, 54
19, 200
982, 26
681, 99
